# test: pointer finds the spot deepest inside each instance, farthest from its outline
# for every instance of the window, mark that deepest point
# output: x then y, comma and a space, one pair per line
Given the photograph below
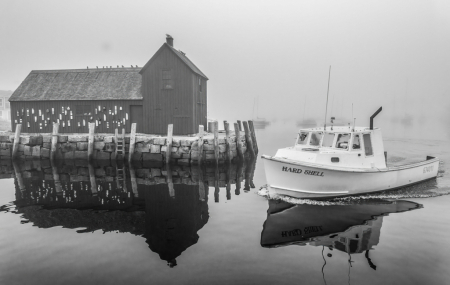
200, 84
328, 140
315, 138
367, 144
167, 82
1, 102
82, 110
342, 141
302, 138
356, 142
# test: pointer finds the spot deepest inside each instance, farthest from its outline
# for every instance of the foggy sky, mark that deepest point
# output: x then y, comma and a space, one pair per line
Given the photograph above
393, 54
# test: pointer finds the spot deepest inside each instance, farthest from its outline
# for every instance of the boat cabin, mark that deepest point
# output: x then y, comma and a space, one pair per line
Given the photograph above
338, 146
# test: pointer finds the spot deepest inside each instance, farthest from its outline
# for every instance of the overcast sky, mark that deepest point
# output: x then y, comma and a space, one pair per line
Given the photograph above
394, 54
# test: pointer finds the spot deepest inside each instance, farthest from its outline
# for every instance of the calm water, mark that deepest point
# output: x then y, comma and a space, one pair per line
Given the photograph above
71, 234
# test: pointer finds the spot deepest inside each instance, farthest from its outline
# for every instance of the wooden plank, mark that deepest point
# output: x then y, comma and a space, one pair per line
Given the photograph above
249, 140
253, 133
91, 141
16, 140
216, 142
169, 142
238, 142
132, 142
227, 142
54, 144
201, 133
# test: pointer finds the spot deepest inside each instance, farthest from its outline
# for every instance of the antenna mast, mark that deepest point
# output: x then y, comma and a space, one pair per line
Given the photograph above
326, 107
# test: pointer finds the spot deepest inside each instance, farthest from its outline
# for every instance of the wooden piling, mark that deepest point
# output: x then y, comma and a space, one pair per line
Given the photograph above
237, 191
227, 142
169, 142
132, 142
210, 127
92, 174
57, 181
216, 142
170, 181
201, 133
134, 186
201, 184
216, 184
228, 178
54, 144
18, 175
238, 142
249, 140
116, 139
91, 142
16, 140
253, 133
239, 125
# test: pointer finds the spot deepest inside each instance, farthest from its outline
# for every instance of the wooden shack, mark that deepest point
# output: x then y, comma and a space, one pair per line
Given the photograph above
169, 89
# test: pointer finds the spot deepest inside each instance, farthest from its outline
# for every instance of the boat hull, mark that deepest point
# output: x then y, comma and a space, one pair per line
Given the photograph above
306, 180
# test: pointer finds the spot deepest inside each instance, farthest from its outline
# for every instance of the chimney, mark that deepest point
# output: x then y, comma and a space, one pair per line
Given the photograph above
169, 40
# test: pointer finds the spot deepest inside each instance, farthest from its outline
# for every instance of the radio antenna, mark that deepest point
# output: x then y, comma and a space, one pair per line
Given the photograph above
326, 107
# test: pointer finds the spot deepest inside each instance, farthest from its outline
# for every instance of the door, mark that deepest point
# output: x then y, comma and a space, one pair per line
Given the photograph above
136, 116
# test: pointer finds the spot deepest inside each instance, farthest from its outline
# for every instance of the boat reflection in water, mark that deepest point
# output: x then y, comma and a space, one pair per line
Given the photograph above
167, 206
352, 228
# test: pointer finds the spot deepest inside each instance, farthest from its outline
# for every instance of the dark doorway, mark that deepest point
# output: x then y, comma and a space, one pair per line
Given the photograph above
136, 115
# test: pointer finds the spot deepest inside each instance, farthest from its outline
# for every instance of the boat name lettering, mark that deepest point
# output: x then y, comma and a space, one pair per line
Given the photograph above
295, 170
427, 169
306, 172
292, 233
315, 173
312, 229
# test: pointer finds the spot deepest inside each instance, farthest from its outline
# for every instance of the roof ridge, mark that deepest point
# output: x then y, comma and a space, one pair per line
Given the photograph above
137, 69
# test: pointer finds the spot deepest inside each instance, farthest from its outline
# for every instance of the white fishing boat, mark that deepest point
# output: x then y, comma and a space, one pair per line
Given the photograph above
341, 161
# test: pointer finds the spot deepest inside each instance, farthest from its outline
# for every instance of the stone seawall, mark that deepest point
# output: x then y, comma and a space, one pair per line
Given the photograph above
184, 150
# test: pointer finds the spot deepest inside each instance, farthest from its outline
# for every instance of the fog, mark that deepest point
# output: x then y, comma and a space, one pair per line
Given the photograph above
393, 54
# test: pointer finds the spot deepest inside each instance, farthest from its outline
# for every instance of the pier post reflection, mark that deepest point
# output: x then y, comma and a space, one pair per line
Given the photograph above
166, 205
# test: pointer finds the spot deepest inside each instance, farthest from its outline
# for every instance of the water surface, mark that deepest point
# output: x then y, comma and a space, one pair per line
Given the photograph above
209, 233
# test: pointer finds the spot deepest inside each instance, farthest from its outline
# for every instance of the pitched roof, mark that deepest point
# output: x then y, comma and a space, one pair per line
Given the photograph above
80, 84
181, 56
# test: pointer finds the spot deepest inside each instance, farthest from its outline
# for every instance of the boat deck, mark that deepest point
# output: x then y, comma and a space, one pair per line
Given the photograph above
399, 161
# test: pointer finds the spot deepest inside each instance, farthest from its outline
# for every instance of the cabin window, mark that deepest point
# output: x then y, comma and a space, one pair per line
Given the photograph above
342, 141
356, 142
328, 139
167, 82
82, 110
302, 138
315, 138
367, 144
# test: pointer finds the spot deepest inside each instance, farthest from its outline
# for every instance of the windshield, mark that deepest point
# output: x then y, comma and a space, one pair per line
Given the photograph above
328, 139
302, 138
342, 141
315, 138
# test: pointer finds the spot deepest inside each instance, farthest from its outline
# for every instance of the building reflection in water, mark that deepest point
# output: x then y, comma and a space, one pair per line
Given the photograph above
352, 228
166, 205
